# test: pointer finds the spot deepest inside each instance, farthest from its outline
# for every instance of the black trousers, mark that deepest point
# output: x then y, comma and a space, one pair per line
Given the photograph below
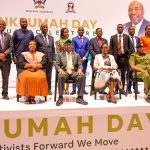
5, 70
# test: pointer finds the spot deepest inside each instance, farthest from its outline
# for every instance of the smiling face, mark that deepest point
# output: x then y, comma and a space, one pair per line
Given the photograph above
44, 28
136, 12
2, 26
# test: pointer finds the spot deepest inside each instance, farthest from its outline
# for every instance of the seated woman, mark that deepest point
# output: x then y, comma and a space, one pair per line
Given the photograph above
31, 80
106, 66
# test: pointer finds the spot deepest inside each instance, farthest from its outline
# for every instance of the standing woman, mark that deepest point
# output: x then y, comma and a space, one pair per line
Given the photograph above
31, 80
64, 36
145, 40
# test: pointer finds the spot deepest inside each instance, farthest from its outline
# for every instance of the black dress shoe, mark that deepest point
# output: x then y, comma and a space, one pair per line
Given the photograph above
6, 97
59, 101
148, 99
73, 92
81, 101
50, 93
123, 92
85, 92
115, 92
114, 102
129, 92
137, 92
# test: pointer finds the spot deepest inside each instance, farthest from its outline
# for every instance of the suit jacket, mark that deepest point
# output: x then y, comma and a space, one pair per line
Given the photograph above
132, 46
8, 47
114, 45
49, 49
62, 61
82, 48
141, 31
99, 62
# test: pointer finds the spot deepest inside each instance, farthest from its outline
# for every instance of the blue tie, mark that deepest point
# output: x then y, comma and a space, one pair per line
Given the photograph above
133, 43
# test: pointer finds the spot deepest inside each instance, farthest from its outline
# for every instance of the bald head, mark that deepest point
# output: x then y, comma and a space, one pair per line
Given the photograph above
2, 25
136, 12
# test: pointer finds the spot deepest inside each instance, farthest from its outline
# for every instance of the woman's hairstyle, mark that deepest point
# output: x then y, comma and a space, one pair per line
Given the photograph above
104, 44
147, 27
32, 41
62, 31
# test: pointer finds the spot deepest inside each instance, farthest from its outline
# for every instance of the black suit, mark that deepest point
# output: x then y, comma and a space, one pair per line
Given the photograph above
122, 60
95, 48
141, 31
129, 72
49, 51
5, 65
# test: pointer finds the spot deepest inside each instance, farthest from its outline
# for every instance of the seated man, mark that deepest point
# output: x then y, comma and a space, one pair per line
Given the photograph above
140, 62
69, 66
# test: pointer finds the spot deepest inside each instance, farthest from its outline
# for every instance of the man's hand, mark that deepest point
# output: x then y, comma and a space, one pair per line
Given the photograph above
61, 72
80, 73
2, 56
15, 60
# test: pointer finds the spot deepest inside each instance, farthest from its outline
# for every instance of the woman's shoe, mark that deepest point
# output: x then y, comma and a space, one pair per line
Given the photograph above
27, 100
32, 100
108, 98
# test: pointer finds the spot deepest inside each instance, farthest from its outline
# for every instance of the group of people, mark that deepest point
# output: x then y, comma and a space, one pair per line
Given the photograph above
35, 57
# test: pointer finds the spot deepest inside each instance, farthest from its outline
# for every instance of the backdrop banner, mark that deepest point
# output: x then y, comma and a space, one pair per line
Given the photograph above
76, 129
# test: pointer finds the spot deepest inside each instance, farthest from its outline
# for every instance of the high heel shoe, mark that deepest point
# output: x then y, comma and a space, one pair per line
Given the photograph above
108, 97
32, 100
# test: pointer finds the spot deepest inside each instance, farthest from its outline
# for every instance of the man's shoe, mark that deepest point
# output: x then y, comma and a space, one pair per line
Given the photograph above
129, 92
6, 97
123, 92
50, 92
148, 99
81, 101
85, 92
73, 92
102, 92
137, 92
115, 92
59, 101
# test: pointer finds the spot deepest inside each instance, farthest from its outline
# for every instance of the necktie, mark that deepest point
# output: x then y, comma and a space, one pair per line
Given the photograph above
80, 39
133, 41
46, 41
69, 65
119, 45
2, 41
99, 42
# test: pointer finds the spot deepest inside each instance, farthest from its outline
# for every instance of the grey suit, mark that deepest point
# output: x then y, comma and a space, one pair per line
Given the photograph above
49, 51
95, 48
5, 65
62, 64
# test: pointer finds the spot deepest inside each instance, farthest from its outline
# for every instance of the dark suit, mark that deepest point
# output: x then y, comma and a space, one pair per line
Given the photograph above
62, 64
141, 31
95, 48
122, 60
5, 65
49, 51
129, 72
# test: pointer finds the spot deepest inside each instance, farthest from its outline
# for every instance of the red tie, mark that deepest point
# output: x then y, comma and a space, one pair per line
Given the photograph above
99, 42
119, 45
81, 39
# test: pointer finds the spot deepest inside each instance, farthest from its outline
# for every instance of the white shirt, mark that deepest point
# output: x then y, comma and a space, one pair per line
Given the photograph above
137, 27
45, 38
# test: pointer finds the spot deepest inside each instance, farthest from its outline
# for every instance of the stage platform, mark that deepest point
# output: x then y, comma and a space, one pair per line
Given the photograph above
98, 126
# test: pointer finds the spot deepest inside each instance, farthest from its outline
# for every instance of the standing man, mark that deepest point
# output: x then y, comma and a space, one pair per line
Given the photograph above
136, 15
69, 66
6, 46
81, 45
96, 43
134, 41
21, 38
120, 49
45, 44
